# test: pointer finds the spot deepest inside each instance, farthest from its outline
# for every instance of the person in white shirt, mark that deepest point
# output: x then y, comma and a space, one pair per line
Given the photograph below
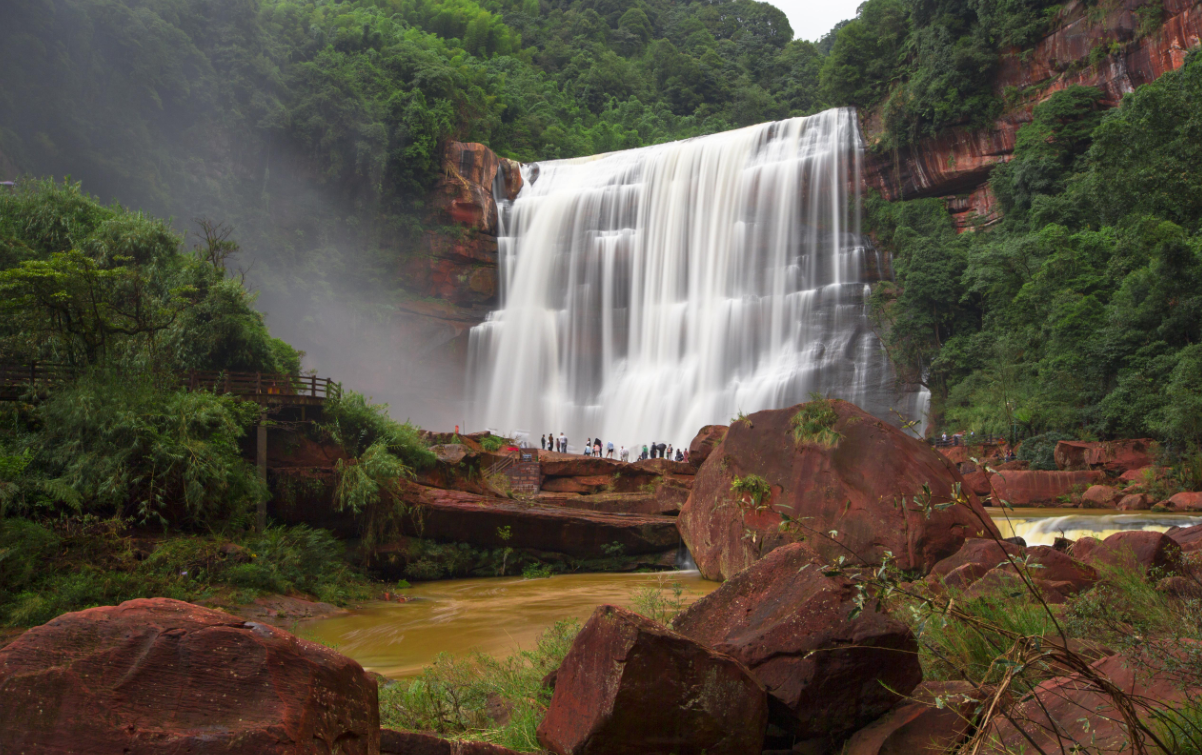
624, 455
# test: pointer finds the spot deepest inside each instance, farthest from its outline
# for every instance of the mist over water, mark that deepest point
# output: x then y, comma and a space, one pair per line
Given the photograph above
647, 293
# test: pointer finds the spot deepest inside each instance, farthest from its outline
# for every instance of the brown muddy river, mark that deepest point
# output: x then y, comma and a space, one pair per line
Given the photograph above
493, 615
500, 615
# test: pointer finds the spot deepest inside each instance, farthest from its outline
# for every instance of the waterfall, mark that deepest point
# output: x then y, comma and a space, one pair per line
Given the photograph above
646, 293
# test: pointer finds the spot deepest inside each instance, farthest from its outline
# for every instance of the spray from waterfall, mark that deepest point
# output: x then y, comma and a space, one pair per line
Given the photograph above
649, 292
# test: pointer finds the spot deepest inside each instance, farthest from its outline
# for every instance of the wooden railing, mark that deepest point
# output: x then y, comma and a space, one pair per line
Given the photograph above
261, 384
17, 378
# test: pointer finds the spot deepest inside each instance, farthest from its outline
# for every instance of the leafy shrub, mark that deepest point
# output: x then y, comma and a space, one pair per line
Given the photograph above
125, 444
97, 563
492, 443
452, 696
751, 485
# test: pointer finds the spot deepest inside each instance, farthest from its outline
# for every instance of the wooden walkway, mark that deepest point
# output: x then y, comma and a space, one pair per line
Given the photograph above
18, 381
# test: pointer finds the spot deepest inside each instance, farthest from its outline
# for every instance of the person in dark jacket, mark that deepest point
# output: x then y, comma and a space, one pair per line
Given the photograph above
662, 448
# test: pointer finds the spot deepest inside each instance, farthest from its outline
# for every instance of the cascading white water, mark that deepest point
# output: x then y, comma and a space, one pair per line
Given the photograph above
647, 293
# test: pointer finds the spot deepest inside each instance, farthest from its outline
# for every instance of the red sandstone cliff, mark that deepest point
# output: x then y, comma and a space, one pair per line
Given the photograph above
956, 163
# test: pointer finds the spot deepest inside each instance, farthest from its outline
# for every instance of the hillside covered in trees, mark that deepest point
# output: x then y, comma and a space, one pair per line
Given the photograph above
313, 128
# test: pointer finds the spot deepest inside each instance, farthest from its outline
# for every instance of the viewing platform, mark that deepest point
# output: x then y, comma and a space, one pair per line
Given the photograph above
36, 379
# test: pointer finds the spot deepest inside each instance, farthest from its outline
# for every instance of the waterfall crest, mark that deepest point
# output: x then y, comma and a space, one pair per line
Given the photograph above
649, 292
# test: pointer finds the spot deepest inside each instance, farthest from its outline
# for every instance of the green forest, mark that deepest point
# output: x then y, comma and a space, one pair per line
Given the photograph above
312, 127
1080, 314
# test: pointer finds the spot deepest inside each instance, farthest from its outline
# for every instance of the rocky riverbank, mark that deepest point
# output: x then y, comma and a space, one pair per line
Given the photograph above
869, 606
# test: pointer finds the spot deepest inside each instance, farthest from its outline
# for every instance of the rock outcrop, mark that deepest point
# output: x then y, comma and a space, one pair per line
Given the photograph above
827, 672
1118, 456
863, 488
630, 686
955, 164
1038, 488
457, 516
704, 443
163, 676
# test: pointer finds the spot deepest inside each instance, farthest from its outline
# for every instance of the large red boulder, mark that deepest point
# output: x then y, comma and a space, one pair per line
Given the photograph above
937, 717
1033, 488
977, 550
862, 486
163, 676
827, 672
1100, 497
1143, 549
1112, 456
1186, 536
1068, 714
707, 439
631, 686
1186, 501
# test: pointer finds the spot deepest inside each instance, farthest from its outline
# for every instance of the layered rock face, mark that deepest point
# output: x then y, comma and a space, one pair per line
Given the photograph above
163, 676
956, 163
863, 489
452, 277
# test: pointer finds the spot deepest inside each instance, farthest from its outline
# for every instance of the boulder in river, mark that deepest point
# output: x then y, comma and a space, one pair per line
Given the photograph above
827, 672
1142, 549
164, 676
631, 686
1186, 501
858, 478
1100, 497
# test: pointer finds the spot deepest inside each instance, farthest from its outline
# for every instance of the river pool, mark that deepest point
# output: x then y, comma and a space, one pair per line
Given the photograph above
500, 615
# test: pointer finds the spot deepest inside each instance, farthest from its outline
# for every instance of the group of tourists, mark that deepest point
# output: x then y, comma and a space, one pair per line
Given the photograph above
663, 451
594, 447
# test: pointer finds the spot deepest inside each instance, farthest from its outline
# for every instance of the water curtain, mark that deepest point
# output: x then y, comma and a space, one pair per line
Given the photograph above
649, 292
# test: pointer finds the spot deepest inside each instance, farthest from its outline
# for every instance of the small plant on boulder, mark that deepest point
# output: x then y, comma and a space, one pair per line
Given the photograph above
815, 421
754, 486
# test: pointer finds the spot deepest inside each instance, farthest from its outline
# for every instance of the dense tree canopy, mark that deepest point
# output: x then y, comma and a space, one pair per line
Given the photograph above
1081, 311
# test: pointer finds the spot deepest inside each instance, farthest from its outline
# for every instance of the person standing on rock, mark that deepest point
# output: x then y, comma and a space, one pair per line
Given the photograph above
623, 454
597, 447
662, 448
609, 450
563, 443
542, 442
669, 456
